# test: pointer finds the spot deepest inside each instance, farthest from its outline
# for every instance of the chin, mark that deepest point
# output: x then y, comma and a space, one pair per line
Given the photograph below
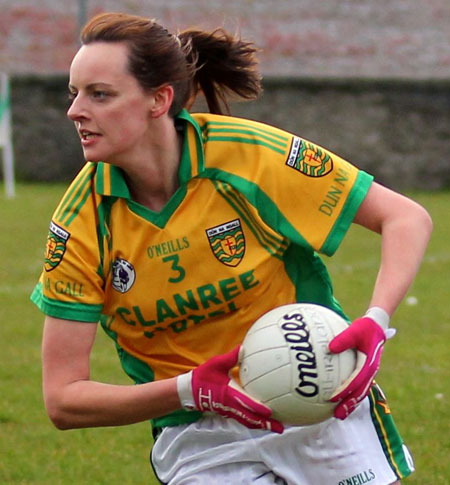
92, 157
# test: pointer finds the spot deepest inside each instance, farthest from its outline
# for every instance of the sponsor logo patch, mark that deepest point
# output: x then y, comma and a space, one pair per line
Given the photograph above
124, 275
309, 159
56, 246
227, 242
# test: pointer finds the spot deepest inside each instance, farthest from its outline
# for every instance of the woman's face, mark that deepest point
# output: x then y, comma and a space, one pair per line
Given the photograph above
110, 109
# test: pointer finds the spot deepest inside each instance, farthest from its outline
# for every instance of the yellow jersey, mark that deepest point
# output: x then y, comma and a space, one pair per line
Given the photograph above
241, 235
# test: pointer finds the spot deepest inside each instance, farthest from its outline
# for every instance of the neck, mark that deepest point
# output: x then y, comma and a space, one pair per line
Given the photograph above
153, 181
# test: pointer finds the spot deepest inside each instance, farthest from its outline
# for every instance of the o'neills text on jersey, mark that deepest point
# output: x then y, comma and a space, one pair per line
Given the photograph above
359, 479
167, 247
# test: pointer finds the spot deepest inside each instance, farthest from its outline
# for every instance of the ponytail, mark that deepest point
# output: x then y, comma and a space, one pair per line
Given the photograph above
214, 63
224, 67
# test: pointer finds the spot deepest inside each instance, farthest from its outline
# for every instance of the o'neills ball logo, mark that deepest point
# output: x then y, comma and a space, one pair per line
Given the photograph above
124, 275
309, 159
56, 246
296, 335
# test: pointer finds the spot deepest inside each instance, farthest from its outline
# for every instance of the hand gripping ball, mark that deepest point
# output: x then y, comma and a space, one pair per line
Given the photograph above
285, 362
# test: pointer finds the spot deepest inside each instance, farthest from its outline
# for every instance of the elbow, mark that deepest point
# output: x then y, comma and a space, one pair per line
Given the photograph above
430, 223
424, 222
61, 424
411, 224
59, 418
58, 413
415, 220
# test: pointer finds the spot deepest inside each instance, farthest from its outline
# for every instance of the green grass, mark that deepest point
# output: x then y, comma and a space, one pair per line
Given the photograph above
414, 373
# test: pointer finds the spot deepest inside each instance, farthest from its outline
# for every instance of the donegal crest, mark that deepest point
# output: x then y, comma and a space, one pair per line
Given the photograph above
311, 160
227, 242
56, 246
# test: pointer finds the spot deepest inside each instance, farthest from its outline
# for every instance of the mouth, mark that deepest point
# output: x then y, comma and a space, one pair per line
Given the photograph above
87, 135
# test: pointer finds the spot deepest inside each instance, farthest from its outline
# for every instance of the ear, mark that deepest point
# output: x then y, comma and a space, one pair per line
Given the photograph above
163, 98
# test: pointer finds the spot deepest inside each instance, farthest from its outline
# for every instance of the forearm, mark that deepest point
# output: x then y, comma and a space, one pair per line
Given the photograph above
405, 229
403, 246
86, 403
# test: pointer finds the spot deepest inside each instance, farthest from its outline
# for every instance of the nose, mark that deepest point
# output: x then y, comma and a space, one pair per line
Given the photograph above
76, 110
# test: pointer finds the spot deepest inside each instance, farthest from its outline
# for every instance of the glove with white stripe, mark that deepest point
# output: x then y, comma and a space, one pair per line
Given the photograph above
367, 335
209, 388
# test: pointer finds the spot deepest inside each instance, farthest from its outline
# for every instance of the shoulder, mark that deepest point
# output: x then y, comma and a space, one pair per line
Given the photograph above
87, 172
213, 125
231, 140
77, 196
83, 181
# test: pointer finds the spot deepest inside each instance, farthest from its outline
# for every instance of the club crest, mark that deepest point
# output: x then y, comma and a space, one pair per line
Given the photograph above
227, 242
56, 246
309, 159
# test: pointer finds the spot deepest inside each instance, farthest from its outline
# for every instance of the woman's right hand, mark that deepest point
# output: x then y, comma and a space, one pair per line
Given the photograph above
209, 388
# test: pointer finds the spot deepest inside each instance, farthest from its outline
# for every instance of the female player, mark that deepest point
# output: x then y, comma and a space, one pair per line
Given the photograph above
178, 233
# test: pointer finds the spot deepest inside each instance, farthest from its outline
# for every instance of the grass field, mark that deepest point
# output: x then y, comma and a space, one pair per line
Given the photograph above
415, 368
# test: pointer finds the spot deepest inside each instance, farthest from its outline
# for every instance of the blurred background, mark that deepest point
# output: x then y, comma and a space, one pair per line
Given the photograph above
368, 80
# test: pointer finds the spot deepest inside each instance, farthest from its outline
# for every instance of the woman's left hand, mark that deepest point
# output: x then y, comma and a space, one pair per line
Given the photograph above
367, 337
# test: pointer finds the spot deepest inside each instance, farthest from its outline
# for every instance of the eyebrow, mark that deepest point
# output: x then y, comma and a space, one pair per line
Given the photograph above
92, 85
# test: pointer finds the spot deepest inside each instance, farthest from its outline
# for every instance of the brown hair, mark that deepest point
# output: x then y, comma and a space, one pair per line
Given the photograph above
215, 63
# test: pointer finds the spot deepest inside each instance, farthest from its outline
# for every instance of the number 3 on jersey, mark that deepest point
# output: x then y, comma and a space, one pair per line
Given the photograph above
179, 271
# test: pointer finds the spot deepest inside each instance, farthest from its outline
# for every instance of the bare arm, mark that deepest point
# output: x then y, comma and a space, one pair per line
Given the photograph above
74, 401
405, 228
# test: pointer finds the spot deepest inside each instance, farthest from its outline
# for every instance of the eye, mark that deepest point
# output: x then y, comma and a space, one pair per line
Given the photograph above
71, 95
99, 95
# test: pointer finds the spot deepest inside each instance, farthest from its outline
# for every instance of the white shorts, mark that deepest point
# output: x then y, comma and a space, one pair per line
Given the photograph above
363, 449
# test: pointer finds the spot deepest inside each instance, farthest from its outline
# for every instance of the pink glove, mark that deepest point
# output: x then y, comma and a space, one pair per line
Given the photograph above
367, 336
208, 388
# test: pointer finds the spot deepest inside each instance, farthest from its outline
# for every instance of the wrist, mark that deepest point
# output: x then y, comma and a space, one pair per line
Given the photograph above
380, 316
184, 389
